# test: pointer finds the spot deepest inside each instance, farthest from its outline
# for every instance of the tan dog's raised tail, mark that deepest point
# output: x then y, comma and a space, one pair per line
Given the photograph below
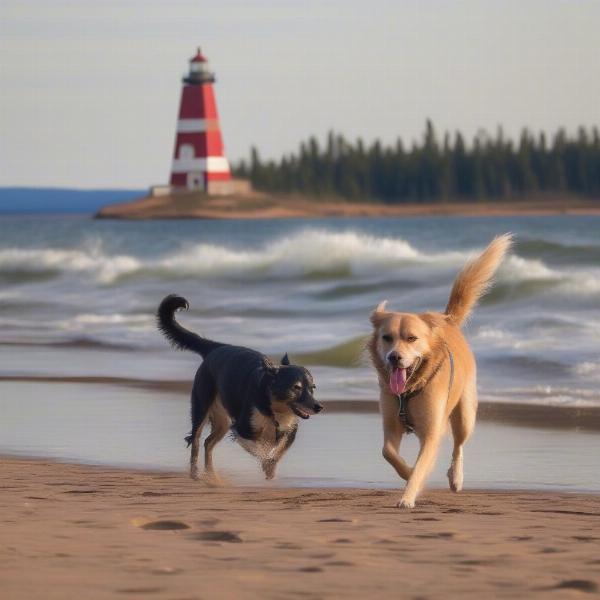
426, 357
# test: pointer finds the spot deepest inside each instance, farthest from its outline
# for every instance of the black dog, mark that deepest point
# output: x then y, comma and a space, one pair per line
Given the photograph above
240, 388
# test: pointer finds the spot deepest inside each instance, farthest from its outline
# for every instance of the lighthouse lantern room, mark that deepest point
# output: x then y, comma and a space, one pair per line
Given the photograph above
199, 161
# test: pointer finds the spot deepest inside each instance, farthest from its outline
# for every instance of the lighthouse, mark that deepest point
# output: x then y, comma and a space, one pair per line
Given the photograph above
199, 161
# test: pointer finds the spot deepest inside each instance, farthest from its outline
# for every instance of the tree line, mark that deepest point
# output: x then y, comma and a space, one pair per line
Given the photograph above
434, 170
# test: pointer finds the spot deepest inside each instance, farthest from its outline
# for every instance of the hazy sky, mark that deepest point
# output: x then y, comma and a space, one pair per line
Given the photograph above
89, 89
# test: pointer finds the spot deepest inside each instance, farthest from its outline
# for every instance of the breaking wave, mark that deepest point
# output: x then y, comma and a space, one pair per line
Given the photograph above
309, 255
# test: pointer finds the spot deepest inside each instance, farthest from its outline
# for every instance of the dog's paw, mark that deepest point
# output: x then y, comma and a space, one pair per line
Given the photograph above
455, 479
194, 473
268, 467
405, 503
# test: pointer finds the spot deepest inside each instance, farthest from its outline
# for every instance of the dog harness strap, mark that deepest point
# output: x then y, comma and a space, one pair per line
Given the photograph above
406, 396
451, 371
403, 413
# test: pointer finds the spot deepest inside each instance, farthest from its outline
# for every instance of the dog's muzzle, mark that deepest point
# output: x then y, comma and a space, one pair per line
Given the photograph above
304, 413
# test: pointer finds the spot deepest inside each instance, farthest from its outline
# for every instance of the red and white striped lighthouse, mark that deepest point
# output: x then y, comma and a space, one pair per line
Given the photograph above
199, 161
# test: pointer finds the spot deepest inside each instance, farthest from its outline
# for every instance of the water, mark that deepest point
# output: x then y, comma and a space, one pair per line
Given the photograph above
109, 425
77, 296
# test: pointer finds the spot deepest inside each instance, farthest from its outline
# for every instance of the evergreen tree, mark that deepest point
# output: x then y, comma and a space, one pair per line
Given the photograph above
486, 168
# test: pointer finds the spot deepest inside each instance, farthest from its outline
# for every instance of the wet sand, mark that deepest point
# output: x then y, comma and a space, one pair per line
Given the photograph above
257, 205
72, 531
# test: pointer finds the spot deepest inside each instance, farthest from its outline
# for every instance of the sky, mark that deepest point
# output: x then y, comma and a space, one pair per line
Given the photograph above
89, 90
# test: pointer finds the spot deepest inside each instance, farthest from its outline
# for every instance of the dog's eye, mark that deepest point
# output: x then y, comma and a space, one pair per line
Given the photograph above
411, 338
297, 386
387, 338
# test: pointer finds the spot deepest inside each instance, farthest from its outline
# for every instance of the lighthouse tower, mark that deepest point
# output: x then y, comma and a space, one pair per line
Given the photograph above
199, 161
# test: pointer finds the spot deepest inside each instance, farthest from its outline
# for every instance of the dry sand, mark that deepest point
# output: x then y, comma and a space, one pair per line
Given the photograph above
262, 206
73, 531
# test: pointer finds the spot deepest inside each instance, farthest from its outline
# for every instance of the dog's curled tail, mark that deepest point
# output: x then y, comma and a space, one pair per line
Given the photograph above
476, 278
178, 336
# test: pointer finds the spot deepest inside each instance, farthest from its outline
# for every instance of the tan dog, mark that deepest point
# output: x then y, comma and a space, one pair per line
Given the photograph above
426, 359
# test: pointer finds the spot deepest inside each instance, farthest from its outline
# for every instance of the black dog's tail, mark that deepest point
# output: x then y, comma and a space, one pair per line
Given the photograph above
178, 336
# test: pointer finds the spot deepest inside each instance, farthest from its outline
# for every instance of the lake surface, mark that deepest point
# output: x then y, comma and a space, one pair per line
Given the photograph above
78, 296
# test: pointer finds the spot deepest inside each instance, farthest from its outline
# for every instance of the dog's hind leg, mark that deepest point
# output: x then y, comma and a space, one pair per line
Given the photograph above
194, 440
462, 421
203, 396
220, 424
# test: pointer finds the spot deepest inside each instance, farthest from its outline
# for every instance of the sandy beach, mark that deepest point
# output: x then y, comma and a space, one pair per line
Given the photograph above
72, 531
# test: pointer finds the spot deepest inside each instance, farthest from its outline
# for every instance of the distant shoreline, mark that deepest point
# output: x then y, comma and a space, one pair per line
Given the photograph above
261, 206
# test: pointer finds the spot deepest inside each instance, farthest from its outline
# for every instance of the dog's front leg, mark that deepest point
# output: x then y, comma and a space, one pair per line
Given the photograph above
269, 464
427, 454
392, 435
430, 434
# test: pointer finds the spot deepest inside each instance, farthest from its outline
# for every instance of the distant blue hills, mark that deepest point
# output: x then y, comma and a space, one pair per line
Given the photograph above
25, 200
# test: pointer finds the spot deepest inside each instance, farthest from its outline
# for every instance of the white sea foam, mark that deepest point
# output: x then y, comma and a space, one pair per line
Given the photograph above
103, 267
303, 253
44, 259
588, 369
297, 255
580, 282
516, 268
543, 395
306, 253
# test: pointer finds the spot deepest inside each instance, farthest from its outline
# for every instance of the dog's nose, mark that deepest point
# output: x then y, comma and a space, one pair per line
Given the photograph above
318, 407
394, 358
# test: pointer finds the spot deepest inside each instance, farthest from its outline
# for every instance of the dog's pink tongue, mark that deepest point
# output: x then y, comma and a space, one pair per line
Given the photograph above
398, 381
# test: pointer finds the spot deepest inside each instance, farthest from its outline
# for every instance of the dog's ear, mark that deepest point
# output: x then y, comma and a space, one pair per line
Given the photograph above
285, 360
379, 313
